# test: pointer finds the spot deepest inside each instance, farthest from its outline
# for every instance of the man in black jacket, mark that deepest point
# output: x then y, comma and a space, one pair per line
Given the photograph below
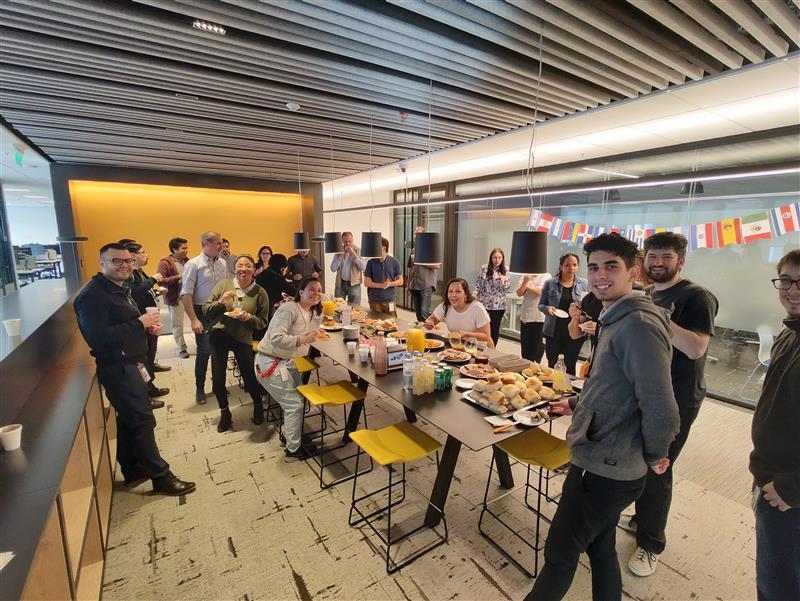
775, 460
116, 331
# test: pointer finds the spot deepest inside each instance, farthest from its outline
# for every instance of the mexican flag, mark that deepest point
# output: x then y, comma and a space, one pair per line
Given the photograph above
756, 227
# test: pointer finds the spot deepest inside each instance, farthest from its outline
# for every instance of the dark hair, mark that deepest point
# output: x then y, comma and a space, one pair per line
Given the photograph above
616, 245
563, 258
304, 283
464, 287
226, 241
668, 241
126, 241
175, 243
248, 257
792, 257
111, 246
490, 267
385, 244
278, 262
260, 262
133, 247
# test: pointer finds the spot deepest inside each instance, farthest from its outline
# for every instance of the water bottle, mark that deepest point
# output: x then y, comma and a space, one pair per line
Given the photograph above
408, 371
560, 377
418, 375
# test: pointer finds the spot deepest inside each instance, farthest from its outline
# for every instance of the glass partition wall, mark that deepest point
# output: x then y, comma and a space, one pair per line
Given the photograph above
736, 272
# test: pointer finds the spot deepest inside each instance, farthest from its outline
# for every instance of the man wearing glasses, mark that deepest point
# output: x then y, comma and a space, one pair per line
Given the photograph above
692, 309
116, 331
775, 460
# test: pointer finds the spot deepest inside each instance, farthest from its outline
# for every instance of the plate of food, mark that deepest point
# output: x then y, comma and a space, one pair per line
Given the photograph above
531, 417
323, 335
476, 370
233, 313
464, 383
588, 327
560, 313
397, 335
431, 344
578, 384
453, 356
333, 328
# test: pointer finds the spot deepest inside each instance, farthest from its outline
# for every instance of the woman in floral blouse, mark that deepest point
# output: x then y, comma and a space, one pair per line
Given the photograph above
491, 287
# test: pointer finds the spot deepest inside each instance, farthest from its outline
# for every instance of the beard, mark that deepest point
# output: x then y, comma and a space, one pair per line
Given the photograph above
665, 275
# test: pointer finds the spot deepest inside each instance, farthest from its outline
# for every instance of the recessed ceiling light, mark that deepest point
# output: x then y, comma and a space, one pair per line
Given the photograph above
209, 27
293, 106
611, 172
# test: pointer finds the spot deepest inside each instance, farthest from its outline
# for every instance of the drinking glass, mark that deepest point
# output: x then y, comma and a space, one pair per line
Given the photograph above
470, 345
455, 341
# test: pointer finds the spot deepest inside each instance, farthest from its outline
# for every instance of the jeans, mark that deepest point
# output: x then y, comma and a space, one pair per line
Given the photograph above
777, 552
421, 301
495, 319
285, 394
585, 520
352, 294
137, 451
530, 340
176, 313
652, 508
221, 344
203, 350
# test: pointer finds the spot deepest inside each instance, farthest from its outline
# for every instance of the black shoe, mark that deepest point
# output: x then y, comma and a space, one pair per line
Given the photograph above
135, 481
172, 486
200, 396
225, 421
302, 453
306, 440
157, 367
258, 415
184, 354
156, 404
154, 391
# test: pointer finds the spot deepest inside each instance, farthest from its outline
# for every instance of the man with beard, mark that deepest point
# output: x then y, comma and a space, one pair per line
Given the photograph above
692, 309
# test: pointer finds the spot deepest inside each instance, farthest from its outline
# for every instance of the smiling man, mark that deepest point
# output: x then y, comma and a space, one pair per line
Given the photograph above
621, 428
692, 310
775, 460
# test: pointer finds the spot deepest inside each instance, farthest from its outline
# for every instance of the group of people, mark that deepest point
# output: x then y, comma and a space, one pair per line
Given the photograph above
643, 390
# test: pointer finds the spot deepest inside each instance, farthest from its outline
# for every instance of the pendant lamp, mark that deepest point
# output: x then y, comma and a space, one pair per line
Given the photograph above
333, 242
528, 252
427, 249
370, 244
302, 241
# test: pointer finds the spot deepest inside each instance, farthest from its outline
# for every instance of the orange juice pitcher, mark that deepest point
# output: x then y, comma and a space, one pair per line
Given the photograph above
415, 340
328, 308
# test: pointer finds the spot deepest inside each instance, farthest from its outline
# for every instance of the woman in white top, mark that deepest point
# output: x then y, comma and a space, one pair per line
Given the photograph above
292, 328
531, 319
462, 313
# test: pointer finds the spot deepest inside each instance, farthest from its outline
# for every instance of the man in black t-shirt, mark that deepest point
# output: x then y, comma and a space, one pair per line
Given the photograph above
692, 310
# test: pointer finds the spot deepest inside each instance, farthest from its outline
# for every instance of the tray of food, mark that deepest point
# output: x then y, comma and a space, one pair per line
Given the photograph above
453, 356
504, 393
477, 370
381, 325
545, 374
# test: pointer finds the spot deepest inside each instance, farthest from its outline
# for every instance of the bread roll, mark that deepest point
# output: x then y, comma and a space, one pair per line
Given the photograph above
492, 386
479, 385
495, 377
534, 383
519, 377
528, 372
535, 367
547, 370
510, 390
532, 396
496, 397
546, 393
508, 377
521, 386
518, 402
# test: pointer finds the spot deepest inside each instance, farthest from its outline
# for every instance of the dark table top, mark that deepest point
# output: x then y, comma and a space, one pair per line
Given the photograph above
446, 410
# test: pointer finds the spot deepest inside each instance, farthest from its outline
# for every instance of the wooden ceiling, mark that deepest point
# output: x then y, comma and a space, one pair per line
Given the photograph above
133, 83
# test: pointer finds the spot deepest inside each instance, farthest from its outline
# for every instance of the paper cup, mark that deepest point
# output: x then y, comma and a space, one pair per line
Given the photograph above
12, 326
363, 353
11, 436
351, 348
151, 309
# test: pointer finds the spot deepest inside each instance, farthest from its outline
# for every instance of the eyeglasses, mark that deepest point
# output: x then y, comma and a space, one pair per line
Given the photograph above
785, 283
121, 262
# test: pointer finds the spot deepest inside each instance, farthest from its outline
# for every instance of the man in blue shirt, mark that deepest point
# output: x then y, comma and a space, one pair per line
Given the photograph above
381, 276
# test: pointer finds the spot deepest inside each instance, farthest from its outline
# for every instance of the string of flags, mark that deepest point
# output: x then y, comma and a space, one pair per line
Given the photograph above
764, 225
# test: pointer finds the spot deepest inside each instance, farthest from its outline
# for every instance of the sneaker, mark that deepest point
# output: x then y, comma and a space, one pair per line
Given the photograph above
642, 562
154, 391
184, 354
156, 403
302, 453
161, 368
627, 523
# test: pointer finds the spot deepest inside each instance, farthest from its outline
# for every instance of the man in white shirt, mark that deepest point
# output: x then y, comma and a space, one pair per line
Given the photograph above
349, 269
200, 275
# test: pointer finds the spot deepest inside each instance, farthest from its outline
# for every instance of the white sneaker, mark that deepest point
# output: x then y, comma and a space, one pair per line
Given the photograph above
642, 562
627, 523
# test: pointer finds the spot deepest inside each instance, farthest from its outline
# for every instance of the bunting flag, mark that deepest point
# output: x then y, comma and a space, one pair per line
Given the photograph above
675, 230
566, 233
729, 231
701, 236
756, 227
535, 218
545, 221
785, 219
557, 227
580, 233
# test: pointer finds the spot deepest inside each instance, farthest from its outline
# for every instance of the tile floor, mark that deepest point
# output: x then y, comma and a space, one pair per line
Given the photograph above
259, 527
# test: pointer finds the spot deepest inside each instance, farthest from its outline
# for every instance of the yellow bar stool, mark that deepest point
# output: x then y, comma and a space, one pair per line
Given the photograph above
534, 448
400, 443
341, 394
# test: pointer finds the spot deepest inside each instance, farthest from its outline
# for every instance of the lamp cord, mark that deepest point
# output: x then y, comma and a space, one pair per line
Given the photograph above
430, 117
300, 191
371, 193
532, 146
333, 191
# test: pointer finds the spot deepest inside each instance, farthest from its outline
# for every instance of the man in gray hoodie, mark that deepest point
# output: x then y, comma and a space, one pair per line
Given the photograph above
622, 426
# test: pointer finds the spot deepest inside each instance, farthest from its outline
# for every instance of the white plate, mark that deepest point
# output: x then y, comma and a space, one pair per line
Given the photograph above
523, 417
335, 328
465, 373
465, 383
232, 314
577, 384
561, 313
589, 327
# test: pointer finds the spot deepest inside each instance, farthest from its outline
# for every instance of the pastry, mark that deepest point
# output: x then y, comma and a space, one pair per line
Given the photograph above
533, 382
510, 390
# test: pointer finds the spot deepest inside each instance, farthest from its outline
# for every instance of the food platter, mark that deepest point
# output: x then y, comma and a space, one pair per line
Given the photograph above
431, 344
454, 356
476, 370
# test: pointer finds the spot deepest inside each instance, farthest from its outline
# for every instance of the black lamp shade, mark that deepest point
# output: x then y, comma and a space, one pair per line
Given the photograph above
427, 249
333, 242
302, 241
370, 244
528, 252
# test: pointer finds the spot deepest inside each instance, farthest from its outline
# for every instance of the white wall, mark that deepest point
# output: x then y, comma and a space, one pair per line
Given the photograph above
32, 224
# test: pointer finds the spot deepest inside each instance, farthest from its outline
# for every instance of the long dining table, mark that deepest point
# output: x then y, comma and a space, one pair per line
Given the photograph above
462, 421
